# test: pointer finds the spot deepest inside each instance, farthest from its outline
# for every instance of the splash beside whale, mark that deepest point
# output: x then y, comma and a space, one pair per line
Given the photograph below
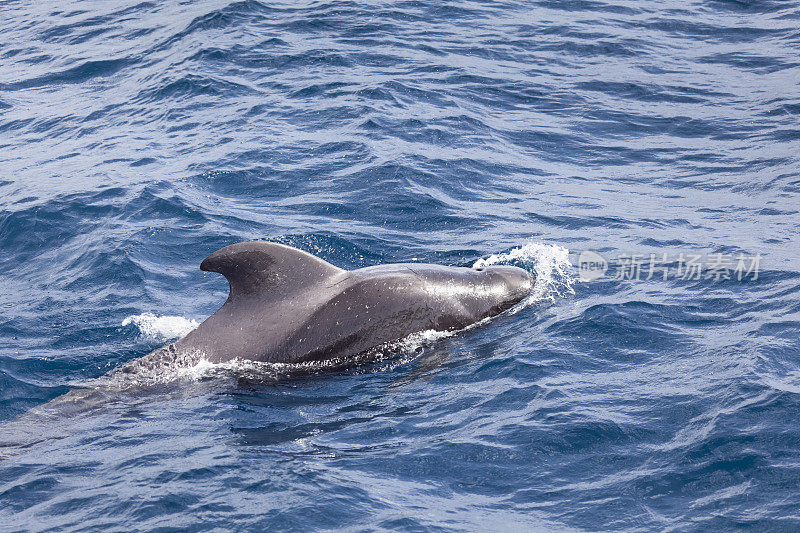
288, 306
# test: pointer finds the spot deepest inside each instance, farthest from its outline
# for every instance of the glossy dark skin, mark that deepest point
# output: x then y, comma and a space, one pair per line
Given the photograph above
289, 306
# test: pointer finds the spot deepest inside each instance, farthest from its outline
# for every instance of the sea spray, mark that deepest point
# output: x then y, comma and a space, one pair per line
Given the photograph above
162, 327
550, 263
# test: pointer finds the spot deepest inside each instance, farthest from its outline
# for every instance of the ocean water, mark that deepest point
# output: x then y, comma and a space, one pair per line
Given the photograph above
578, 139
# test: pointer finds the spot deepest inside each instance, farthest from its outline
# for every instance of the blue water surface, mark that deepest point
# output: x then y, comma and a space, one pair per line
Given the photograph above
138, 137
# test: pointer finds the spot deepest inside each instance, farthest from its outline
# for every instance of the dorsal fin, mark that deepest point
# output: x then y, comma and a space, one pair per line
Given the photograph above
264, 268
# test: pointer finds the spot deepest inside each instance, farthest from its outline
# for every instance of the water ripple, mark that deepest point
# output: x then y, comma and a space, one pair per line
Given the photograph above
140, 137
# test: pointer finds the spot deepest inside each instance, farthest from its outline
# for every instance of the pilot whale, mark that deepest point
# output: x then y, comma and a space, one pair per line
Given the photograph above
288, 306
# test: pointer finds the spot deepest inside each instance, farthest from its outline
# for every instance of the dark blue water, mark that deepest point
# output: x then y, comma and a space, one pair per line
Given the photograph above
136, 139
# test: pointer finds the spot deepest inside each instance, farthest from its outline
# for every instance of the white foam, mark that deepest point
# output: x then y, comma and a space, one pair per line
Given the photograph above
162, 327
549, 262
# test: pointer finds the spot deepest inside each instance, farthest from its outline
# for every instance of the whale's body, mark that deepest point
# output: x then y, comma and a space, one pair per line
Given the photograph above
288, 306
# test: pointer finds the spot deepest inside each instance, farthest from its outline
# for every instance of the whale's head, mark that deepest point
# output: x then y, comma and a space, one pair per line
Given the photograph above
504, 286
473, 294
